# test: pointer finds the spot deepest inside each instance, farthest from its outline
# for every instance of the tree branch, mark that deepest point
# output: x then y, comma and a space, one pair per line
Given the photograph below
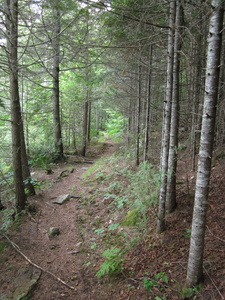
16, 247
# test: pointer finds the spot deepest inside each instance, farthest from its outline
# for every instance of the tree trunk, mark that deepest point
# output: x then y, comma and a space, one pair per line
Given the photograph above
85, 128
138, 118
172, 159
147, 118
196, 78
25, 167
12, 45
89, 122
220, 126
55, 75
161, 223
195, 261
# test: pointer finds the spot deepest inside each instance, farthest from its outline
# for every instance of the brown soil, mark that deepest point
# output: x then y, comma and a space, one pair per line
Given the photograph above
74, 256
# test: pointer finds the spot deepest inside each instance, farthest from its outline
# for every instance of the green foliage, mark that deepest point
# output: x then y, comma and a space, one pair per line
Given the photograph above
113, 226
190, 292
2, 246
143, 188
162, 276
2, 104
99, 231
131, 218
187, 233
121, 201
95, 168
113, 263
35, 182
40, 159
6, 218
115, 123
149, 284
159, 278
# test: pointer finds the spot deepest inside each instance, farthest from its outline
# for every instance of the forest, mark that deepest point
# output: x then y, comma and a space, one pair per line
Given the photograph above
112, 150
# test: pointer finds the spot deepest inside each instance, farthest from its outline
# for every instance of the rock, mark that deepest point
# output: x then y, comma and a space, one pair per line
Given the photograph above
53, 231
26, 279
74, 252
78, 245
61, 199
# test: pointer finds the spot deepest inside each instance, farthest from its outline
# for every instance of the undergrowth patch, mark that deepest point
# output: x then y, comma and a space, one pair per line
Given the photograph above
128, 193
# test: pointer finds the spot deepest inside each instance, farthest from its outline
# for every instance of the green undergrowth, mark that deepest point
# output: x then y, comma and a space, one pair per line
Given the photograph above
10, 219
129, 194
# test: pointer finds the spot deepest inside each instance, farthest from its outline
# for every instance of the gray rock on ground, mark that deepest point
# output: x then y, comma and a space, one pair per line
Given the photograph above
61, 199
26, 279
53, 231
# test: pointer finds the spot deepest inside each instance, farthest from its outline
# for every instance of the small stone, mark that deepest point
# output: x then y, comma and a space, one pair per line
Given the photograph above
53, 231
74, 252
61, 199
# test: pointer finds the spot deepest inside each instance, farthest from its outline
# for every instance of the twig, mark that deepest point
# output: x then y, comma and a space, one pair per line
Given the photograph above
213, 282
50, 204
83, 162
215, 235
16, 247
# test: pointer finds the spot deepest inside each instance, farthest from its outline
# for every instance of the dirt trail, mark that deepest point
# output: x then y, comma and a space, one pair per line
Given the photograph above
75, 255
65, 255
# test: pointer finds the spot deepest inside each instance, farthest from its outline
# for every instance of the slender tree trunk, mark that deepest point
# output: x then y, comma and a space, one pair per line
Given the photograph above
147, 118
16, 118
97, 119
138, 117
56, 93
220, 126
161, 223
195, 261
196, 75
89, 121
131, 113
85, 127
129, 122
86, 104
172, 159
25, 167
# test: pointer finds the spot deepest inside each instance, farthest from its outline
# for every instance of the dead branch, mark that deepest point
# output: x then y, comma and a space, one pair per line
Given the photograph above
213, 282
218, 238
16, 247
83, 161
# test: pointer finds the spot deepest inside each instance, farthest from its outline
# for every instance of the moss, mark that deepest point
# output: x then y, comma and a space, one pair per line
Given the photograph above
2, 246
131, 218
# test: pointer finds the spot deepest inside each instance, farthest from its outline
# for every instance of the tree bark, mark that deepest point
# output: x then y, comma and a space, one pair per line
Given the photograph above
16, 118
161, 223
147, 117
172, 159
195, 261
56, 93
138, 117
25, 167
85, 127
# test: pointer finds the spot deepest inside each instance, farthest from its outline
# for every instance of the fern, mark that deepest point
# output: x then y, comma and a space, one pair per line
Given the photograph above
113, 263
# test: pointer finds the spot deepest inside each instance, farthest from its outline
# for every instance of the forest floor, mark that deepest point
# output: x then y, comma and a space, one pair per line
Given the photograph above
154, 268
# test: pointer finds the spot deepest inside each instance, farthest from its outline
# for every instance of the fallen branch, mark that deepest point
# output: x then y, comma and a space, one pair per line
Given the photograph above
16, 247
218, 238
83, 162
213, 282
